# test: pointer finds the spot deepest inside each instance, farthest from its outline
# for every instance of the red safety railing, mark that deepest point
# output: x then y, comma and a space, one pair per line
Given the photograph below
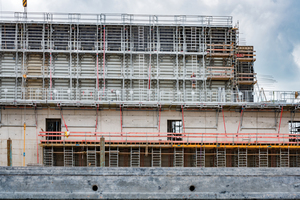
175, 138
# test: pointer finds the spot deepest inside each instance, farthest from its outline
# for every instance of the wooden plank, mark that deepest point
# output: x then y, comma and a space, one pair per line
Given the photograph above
219, 54
219, 67
247, 73
226, 45
220, 49
220, 78
246, 59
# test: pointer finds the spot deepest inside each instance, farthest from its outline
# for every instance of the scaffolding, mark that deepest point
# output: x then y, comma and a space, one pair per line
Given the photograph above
48, 156
84, 59
200, 150
156, 157
124, 61
68, 157
91, 156
167, 156
113, 156
87, 60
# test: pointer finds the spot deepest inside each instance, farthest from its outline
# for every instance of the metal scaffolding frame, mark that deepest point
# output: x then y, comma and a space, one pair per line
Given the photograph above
136, 60
90, 59
48, 156
156, 157
178, 157
68, 156
113, 156
121, 156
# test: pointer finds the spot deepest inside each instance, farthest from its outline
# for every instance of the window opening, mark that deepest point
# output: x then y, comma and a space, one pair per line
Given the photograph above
175, 127
294, 128
53, 125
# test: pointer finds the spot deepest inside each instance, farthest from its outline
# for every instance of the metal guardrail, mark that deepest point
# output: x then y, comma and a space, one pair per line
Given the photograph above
176, 138
102, 18
146, 95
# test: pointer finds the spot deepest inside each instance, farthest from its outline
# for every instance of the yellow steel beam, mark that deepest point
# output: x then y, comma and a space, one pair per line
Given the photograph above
229, 146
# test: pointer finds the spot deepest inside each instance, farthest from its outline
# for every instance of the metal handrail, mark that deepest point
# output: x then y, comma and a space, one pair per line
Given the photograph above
156, 137
145, 95
102, 18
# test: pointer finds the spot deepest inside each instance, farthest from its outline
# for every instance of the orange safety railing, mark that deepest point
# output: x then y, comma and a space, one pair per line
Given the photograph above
154, 137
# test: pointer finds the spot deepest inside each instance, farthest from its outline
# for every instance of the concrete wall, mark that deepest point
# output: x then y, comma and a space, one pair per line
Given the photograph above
149, 183
196, 121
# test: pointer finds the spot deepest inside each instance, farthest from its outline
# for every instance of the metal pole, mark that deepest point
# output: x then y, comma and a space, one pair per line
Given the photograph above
50, 76
97, 82
280, 122
224, 122
121, 116
37, 140
183, 119
102, 152
159, 118
9, 152
24, 145
103, 59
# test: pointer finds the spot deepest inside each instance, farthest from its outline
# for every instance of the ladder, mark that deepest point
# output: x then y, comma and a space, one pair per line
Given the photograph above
91, 156
141, 62
156, 157
194, 38
178, 157
141, 75
297, 159
135, 157
194, 70
113, 156
284, 157
235, 159
48, 156
200, 157
242, 157
141, 45
68, 157
263, 157
220, 157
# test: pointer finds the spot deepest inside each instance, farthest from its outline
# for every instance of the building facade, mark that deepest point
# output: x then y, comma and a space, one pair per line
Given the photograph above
160, 91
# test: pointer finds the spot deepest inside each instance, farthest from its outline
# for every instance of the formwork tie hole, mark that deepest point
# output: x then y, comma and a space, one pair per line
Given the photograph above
95, 187
192, 188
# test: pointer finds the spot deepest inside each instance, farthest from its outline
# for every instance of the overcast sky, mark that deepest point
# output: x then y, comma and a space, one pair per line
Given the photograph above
271, 26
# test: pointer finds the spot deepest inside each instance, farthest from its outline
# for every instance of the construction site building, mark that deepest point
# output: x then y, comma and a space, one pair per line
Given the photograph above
122, 90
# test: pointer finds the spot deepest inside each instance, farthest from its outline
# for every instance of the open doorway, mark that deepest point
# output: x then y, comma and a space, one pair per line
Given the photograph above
53, 125
174, 127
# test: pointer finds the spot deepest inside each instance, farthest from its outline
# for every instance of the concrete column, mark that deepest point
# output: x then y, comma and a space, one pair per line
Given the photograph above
9, 152
102, 152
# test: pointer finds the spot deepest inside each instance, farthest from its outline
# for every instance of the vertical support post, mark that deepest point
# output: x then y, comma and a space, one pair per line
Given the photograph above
280, 122
237, 132
149, 75
121, 116
24, 145
159, 118
183, 119
16, 59
9, 152
96, 126
103, 59
102, 152
97, 82
61, 114
50, 66
37, 138
224, 122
